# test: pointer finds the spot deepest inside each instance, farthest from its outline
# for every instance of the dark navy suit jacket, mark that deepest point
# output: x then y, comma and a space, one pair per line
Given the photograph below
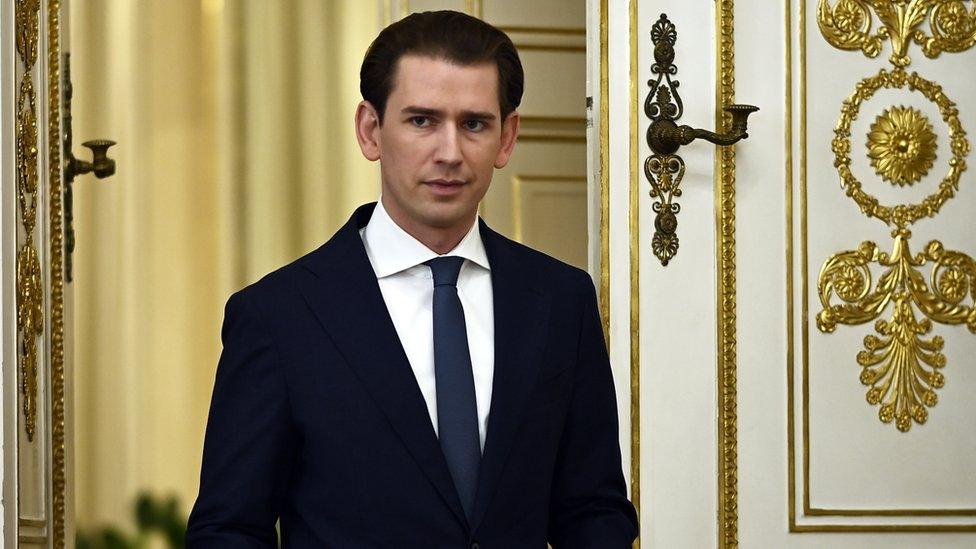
317, 419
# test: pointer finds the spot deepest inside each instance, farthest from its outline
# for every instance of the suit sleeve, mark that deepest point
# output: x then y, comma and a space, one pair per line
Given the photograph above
589, 506
249, 443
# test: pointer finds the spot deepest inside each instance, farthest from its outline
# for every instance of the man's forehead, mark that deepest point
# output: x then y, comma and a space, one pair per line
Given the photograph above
421, 74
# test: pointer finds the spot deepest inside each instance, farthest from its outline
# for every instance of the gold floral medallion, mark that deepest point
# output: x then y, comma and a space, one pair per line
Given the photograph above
901, 145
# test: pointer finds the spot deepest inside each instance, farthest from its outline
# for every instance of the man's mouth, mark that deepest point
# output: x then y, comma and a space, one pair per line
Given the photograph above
445, 186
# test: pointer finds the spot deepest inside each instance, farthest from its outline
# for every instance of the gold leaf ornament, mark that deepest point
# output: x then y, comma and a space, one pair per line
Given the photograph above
900, 365
30, 318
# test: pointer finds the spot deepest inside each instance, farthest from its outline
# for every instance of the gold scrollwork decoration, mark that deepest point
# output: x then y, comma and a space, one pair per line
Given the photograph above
665, 172
953, 29
899, 215
902, 145
848, 25
902, 368
30, 317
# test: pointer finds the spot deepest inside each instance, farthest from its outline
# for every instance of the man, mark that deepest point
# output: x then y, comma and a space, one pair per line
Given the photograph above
419, 380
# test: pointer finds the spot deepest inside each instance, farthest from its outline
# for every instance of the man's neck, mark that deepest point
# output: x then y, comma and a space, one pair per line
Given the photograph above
438, 239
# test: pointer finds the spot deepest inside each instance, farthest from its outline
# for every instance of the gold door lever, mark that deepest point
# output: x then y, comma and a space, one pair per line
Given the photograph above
665, 137
664, 169
101, 166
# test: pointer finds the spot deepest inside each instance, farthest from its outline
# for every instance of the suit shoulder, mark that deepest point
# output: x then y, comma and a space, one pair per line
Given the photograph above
279, 284
550, 270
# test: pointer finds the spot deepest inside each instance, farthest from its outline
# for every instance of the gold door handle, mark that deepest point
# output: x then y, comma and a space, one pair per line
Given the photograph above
101, 165
664, 169
665, 137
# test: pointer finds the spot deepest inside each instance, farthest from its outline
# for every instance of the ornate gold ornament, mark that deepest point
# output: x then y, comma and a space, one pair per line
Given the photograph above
899, 215
30, 317
901, 367
901, 145
848, 26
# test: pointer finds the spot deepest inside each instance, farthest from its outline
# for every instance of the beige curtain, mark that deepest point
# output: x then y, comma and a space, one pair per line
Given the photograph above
236, 154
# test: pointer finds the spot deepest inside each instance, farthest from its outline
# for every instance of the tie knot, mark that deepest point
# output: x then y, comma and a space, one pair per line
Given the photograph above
445, 269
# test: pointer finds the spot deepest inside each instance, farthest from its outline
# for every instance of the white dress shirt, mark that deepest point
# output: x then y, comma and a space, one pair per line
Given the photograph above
407, 286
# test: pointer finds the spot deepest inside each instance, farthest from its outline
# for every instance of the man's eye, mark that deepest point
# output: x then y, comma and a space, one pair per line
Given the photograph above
420, 121
474, 125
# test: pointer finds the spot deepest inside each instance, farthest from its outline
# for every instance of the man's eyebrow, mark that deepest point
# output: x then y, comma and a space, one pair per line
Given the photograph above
423, 111
477, 115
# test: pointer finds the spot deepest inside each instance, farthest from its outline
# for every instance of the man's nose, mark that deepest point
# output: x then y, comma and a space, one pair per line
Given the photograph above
449, 146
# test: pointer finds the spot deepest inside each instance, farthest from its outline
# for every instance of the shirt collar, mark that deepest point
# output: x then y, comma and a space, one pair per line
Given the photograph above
391, 249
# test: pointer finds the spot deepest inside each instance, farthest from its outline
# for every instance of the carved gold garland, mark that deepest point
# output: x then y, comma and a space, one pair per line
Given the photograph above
900, 365
901, 214
30, 318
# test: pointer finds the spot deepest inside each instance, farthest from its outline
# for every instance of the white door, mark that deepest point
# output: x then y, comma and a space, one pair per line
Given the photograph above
799, 374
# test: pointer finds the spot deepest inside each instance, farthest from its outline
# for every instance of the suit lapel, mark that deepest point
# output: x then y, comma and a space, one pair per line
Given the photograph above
520, 310
346, 299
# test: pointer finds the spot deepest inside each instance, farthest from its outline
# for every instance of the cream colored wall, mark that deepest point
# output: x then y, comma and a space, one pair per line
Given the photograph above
236, 154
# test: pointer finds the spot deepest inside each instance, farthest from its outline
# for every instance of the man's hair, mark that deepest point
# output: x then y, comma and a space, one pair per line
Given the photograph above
448, 35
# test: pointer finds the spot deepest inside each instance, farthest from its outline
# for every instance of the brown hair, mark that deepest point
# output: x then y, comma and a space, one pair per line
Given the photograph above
449, 35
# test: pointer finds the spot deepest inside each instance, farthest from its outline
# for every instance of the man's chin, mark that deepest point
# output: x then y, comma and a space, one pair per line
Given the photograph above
447, 218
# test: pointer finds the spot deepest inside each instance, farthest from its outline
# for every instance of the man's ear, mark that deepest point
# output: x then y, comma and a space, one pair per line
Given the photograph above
367, 130
510, 131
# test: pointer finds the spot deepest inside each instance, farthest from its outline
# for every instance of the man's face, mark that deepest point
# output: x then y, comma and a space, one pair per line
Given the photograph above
442, 137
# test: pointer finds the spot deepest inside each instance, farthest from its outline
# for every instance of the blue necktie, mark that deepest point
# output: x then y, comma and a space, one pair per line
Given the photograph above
457, 410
